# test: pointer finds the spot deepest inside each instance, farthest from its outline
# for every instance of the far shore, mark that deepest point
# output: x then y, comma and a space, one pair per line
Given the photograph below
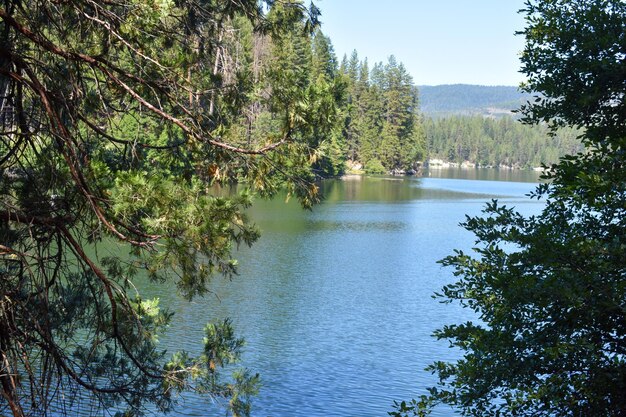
438, 164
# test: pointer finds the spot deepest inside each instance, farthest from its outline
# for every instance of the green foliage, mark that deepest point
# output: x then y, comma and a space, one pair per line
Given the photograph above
118, 121
289, 87
549, 291
221, 349
324, 61
332, 160
374, 166
495, 142
574, 56
411, 408
381, 116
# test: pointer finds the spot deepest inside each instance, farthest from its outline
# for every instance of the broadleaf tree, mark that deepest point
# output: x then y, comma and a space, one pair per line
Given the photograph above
116, 118
549, 291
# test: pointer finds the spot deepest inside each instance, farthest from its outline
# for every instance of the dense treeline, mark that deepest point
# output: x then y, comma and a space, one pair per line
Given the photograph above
372, 120
369, 117
381, 124
350, 116
497, 142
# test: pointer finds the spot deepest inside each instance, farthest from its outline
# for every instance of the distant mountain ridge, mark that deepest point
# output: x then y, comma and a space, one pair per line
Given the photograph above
466, 99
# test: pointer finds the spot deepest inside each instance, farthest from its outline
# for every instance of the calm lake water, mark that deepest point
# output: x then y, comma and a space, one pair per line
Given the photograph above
335, 303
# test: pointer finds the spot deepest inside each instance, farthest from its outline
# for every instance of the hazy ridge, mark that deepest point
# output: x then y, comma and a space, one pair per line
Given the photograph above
466, 99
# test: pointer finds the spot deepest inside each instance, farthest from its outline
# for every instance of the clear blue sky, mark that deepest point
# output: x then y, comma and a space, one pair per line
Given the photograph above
439, 41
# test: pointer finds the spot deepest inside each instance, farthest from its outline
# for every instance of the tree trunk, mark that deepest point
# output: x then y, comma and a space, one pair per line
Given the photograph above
7, 375
215, 70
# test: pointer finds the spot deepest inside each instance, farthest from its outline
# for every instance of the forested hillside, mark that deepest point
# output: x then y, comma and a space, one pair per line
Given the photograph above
343, 111
353, 115
463, 99
366, 115
497, 142
384, 127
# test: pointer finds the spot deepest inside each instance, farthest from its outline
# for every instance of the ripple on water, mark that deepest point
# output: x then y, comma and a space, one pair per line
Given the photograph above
335, 303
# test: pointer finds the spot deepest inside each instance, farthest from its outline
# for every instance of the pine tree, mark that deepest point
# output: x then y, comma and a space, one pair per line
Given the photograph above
115, 120
324, 61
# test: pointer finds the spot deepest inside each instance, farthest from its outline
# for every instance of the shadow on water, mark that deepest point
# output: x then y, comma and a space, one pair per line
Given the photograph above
484, 174
335, 302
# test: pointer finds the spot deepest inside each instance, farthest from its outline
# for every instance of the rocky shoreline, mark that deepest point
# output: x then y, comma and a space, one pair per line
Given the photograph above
356, 169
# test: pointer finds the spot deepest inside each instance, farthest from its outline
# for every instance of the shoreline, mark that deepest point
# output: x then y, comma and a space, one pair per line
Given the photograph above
443, 165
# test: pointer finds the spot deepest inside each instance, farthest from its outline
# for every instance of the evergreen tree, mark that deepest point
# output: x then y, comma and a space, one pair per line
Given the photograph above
496, 142
115, 119
373, 110
400, 108
381, 118
549, 290
331, 86
324, 61
367, 117
351, 135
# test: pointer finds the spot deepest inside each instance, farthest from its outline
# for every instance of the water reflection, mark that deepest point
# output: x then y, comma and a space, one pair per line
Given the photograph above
361, 188
335, 303
449, 183
485, 174
354, 226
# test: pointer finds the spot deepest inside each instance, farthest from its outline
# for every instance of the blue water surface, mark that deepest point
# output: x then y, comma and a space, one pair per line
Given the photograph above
336, 303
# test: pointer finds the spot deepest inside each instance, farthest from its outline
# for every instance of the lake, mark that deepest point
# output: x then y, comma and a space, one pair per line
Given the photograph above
335, 303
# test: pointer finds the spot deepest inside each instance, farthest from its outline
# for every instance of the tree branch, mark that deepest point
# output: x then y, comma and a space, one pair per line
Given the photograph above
103, 66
